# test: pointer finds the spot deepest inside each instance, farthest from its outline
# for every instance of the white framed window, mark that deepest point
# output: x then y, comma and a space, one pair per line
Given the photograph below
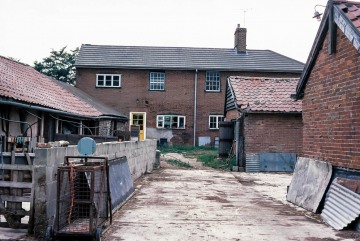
108, 80
212, 81
170, 122
214, 121
157, 81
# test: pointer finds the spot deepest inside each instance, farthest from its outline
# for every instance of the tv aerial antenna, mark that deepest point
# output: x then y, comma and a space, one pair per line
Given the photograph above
245, 10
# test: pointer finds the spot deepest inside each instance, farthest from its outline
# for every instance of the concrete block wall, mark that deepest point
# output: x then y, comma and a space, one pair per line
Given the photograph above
140, 156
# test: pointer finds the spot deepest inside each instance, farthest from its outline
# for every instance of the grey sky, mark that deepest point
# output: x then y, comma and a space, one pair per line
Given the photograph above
29, 29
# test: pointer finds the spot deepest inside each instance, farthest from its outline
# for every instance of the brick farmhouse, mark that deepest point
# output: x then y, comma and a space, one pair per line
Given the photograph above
174, 94
330, 89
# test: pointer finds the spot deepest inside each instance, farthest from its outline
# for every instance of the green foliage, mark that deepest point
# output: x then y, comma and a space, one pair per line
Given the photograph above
189, 151
207, 155
59, 65
213, 161
179, 163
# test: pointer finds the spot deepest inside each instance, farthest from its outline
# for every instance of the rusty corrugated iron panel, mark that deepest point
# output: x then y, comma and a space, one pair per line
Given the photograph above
342, 206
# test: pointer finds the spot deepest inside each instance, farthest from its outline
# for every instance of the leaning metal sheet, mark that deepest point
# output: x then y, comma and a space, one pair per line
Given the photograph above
121, 183
309, 183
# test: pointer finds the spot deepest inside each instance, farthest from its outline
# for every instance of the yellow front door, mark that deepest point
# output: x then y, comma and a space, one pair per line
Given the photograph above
139, 119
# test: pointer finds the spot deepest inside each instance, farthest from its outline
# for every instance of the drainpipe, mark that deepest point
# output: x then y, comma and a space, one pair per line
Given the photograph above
237, 139
42, 127
195, 97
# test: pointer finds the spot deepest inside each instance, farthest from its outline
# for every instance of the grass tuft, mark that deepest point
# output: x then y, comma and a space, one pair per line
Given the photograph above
207, 155
179, 163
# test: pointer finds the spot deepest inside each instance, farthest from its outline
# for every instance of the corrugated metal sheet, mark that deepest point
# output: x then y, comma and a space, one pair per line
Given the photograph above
252, 162
342, 206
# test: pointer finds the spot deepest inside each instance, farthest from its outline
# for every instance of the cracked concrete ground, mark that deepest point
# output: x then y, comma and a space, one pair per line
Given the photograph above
178, 204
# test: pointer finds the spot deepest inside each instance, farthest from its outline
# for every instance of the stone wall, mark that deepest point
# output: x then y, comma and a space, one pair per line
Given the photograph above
140, 156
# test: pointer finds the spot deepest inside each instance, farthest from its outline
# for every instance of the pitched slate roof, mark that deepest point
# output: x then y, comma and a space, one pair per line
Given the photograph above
141, 57
264, 94
23, 84
346, 15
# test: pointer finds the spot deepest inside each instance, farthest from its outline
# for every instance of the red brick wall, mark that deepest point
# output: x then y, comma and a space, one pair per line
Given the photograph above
178, 97
273, 133
331, 106
232, 115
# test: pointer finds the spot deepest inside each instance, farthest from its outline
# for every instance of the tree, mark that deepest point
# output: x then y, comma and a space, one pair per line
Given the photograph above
59, 65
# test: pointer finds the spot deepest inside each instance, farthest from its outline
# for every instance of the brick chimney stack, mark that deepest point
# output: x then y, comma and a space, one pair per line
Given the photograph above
240, 39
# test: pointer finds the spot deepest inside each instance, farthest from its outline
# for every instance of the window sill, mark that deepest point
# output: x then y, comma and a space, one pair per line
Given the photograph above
108, 87
156, 90
212, 91
170, 128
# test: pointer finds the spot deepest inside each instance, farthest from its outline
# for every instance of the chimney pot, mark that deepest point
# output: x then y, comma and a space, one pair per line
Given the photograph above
240, 39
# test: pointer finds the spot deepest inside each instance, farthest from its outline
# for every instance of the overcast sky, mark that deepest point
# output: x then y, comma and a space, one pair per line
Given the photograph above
29, 29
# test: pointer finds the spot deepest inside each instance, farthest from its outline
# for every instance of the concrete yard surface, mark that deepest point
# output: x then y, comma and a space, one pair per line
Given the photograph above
178, 204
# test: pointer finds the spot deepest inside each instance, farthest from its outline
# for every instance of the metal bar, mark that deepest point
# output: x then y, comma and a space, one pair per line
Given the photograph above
57, 218
108, 191
16, 184
91, 200
18, 154
16, 167
10, 198
99, 201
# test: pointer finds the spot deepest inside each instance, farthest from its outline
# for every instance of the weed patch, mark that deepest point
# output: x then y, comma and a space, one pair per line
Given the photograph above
189, 151
207, 155
179, 163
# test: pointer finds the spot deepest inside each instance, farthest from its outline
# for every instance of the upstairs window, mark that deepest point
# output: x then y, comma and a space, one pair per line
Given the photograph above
108, 80
212, 81
157, 81
170, 122
214, 121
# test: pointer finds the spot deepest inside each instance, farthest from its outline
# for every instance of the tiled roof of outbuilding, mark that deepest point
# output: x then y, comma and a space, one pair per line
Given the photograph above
265, 94
145, 57
351, 10
20, 82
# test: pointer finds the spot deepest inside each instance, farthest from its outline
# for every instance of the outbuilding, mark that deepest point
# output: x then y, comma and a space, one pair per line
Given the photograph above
267, 121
